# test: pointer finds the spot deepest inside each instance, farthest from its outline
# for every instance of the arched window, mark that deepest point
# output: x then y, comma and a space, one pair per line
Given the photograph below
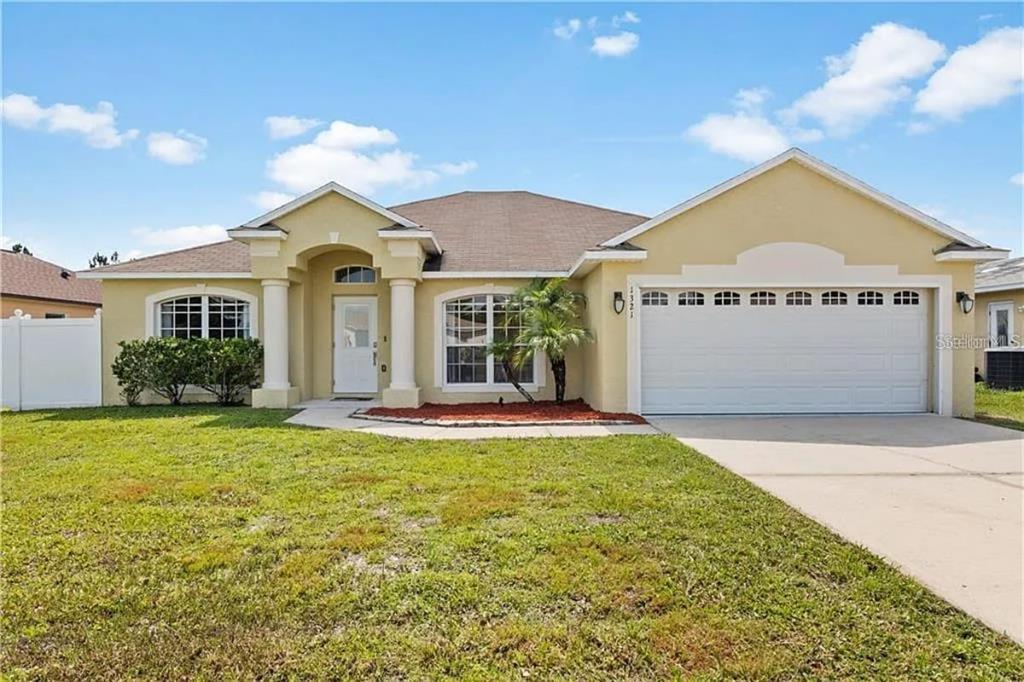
355, 274
654, 298
833, 298
214, 317
762, 298
799, 298
691, 298
727, 298
906, 298
870, 298
471, 323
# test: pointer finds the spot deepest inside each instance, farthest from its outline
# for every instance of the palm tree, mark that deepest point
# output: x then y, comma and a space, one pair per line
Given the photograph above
550, 319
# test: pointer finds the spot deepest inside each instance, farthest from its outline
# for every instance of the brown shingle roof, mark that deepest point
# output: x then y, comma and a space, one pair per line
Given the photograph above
227, 256
508, 231
514, 230
478, 231
22, 275
1004, 274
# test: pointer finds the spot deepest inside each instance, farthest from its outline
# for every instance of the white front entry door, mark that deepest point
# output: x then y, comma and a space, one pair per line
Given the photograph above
355, 344
814, 350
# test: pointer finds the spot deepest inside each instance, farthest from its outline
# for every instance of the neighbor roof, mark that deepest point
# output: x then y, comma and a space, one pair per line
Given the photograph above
513, 231
24, 275
222, 258
1000, 275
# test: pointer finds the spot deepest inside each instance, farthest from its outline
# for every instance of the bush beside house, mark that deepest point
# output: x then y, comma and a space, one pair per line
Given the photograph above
167, 366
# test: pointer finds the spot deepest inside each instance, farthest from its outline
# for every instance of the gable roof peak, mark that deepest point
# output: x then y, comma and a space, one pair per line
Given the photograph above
817, 165
327, 188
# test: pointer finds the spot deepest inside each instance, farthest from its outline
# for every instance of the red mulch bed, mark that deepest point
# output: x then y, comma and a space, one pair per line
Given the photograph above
542, 410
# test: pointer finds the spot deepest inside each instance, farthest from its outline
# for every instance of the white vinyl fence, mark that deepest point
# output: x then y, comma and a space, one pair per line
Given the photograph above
50, 363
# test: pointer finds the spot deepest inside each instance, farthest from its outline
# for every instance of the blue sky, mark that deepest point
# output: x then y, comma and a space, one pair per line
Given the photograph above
630, 106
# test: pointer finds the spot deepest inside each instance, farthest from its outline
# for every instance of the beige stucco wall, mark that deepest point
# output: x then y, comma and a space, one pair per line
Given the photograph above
982, 301
38, 308
124, 316
787, 204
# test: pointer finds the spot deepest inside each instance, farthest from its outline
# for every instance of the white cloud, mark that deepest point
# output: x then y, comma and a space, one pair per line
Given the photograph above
920, 127
98, 127
744, 136
457, 168
618, 45
171, 238
976, 76
345, 135
269, 200
866, 80
751, 99
341, 153
567, 30
1018, 179
280, 127
178, 149
627, 17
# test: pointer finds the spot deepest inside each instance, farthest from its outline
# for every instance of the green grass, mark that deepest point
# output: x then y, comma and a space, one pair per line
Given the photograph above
199, 542
1001, 408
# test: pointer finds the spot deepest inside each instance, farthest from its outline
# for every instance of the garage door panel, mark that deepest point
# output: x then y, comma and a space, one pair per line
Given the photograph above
783, 359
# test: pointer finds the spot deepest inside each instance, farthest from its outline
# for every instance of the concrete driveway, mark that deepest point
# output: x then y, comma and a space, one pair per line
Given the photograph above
943, 499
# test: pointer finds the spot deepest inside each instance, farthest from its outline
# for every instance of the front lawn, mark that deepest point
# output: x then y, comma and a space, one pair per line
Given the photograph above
1001, 408
200, 542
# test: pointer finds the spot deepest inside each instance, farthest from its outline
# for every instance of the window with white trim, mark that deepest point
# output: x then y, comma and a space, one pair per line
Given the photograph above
906, 298
470, 324
870, 298
799, 298
213, 317
654, 298
355, 274
762, 298
727, 298
691, 298
833, 298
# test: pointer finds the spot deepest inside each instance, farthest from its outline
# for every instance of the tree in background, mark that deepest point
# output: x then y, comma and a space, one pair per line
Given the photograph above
100, 260
21, 248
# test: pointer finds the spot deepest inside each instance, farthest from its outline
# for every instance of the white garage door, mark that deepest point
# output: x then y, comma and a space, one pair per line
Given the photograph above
745, 351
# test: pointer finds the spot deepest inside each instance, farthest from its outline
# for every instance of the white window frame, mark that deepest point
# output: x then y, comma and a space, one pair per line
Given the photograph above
334, 275
153, 302
440, 355
799, 298
993, 307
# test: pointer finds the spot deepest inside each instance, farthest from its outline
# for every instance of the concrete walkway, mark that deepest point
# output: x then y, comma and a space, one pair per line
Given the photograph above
943, 499
336, 414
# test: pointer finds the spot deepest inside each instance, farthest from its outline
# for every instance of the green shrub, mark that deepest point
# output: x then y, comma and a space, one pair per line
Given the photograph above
171, 364
168, 365
226, 368
129, 369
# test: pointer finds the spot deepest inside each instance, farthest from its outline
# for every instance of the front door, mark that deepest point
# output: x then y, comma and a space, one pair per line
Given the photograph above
355, 344
1000, 324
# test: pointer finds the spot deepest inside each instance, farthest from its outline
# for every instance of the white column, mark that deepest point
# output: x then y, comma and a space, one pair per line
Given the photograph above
403, 346
275, 334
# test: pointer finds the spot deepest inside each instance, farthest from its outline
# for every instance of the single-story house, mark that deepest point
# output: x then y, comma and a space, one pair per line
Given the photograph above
44, 290
791, 288
999, 320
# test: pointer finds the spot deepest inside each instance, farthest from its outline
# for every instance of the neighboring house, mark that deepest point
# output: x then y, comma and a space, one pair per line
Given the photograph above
44, 290
999, 309
791, 288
